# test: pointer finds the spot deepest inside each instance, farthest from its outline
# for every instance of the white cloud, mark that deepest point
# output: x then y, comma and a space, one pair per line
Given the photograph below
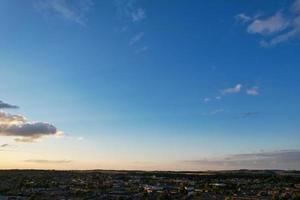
243, 18
69, 10
253, 91
235, 89
269, 25
207, 99
136, 38
275, 29
6, 118
218, 98
294, 32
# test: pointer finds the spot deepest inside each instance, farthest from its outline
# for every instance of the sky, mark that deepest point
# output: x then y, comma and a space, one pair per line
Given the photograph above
138, 84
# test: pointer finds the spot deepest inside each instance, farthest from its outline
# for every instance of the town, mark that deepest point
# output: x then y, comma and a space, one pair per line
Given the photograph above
102, 184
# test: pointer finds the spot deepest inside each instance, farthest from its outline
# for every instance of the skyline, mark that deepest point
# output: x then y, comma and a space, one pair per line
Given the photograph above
132, 84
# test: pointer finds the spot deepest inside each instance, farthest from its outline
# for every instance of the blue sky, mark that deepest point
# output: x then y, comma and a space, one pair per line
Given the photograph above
136, 84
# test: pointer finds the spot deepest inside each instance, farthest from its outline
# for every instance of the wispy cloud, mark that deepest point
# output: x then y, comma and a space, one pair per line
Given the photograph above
136, 38
76, 138
278, 28
269, 25
213, 112
128, 10
249, 114
235, 89
242, 17
210, 99
74, 11
143, 49
206, 99
253, 91
130, 14
286, 36
283, 159
23, 130
138, 15
217, 111
4, 145
49, 161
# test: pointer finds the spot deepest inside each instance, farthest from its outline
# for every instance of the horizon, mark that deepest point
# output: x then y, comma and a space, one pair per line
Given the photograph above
137, 85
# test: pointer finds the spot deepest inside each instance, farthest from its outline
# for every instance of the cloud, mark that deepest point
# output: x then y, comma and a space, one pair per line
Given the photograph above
249, 114
23, 130
29, 131
130, 13
138, 15
7, 106
6, 118
4, 145
296, 7
215, 112
49, 161
136, 38
253, 91
74, 11
269, 25
7, 147
128, 10
281, 27
143, 49
243, 18
235, 89
294, 32
207, 99
283, 159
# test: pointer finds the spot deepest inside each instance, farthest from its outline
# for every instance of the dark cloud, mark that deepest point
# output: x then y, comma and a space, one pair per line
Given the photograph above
7, 106
28, 132
30, 129
283, 159
4, 145
25, 131
49, 161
